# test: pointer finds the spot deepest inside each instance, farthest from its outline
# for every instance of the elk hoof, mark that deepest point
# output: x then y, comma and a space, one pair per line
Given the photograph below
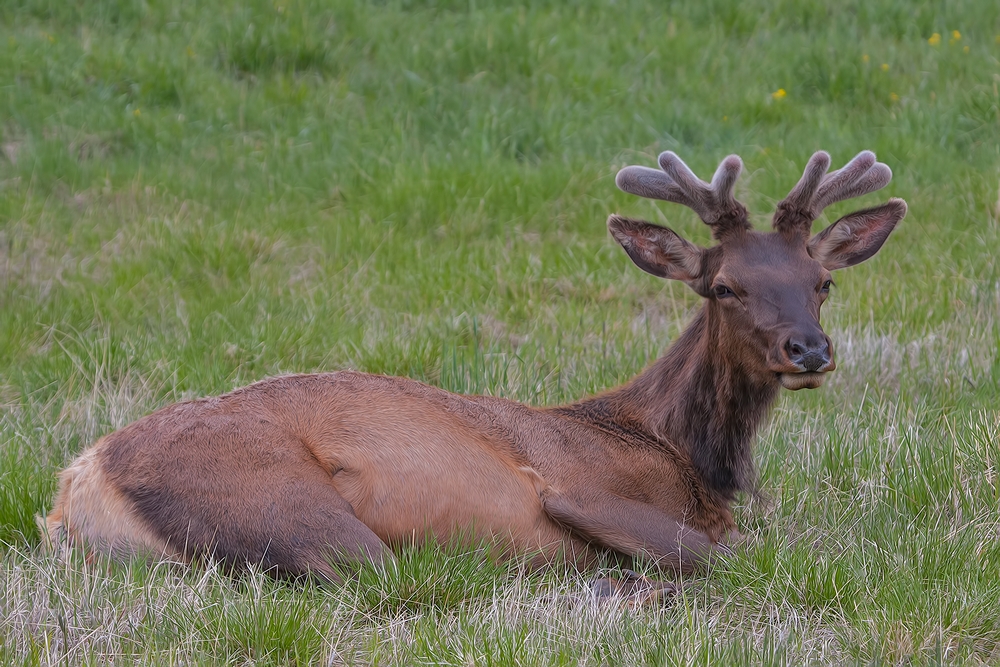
634, 590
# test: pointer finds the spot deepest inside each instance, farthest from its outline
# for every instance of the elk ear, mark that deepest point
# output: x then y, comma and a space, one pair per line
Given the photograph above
657, 250
857, 236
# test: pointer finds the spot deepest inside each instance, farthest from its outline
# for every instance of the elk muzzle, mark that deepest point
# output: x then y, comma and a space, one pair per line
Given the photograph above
805, 360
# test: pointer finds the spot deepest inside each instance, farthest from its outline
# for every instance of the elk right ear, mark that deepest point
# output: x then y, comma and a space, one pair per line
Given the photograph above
857, 236
657, 250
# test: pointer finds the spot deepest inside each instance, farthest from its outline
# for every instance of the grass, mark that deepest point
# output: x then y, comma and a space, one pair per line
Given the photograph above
194, 196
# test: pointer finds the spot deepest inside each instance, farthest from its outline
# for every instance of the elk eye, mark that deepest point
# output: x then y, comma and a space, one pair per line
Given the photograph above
826, 286
722, 292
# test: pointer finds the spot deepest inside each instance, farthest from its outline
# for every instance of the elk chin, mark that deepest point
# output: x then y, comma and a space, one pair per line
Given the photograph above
806, 380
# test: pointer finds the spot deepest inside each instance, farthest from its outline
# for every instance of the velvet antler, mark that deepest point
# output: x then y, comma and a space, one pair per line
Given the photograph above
817, 189
675, 182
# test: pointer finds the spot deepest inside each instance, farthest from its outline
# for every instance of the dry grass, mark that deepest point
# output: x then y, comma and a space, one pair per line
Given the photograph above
880, 489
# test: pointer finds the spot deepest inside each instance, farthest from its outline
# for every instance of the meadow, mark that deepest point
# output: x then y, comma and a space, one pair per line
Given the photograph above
196, 195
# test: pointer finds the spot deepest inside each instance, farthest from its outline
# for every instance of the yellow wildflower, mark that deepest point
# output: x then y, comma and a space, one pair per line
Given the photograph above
894, 97
965, 48
885, 67
136, 113
956, 35
934, 39
779, 94
865, 58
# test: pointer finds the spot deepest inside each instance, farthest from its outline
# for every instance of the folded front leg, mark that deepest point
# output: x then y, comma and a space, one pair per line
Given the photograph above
632, 528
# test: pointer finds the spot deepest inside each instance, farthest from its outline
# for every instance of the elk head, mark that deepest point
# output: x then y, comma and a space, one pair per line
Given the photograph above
763, 290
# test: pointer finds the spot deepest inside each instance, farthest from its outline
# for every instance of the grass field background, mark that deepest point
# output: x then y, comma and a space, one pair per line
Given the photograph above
194, 196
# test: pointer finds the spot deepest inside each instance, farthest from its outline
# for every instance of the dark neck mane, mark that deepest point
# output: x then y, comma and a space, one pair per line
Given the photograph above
696, 399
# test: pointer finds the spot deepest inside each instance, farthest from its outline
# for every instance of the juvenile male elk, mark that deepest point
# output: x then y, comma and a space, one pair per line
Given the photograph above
295, 473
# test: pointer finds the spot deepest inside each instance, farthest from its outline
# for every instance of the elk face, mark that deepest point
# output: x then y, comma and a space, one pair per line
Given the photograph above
766, 296
764, 290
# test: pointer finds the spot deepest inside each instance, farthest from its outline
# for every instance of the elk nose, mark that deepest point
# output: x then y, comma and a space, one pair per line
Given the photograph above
811, 354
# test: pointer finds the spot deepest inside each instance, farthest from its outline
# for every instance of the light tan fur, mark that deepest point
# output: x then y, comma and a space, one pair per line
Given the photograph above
90, 512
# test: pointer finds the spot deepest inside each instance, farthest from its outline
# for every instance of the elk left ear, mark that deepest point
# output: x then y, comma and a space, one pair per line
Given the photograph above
857, 236
657, 250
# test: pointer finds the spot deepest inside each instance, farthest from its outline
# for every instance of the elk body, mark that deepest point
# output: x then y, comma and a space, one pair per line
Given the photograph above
295, 473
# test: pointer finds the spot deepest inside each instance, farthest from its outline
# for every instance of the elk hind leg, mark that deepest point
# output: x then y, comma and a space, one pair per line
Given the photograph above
305, 528
332, 539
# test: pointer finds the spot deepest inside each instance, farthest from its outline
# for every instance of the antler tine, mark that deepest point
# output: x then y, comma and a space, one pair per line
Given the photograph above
816, 189
651, 184
858, 177
713, 202
724, 180
812, 176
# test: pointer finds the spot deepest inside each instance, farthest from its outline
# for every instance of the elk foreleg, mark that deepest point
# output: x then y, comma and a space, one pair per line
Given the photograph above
632, 528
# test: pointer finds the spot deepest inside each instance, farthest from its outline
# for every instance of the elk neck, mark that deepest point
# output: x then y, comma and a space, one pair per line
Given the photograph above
701, 397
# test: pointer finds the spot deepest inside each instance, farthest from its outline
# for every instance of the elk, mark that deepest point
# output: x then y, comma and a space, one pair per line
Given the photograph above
302, 474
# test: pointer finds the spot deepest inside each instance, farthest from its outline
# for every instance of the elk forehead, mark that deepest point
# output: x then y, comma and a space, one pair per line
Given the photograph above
769, 264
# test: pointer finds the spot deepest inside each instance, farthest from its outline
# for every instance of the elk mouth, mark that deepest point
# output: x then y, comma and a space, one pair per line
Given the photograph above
802, 380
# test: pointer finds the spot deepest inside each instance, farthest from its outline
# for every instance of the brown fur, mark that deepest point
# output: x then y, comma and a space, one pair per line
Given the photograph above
295, 473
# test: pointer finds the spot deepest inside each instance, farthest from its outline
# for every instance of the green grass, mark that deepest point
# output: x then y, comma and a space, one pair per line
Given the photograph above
194, 196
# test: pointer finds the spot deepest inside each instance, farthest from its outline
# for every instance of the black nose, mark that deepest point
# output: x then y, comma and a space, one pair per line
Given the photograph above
811, 354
